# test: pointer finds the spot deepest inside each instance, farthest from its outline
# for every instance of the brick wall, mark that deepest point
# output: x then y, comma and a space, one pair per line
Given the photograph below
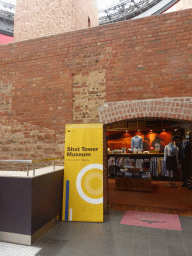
89, 92
63, 78
41, 79
34, 18
21, 140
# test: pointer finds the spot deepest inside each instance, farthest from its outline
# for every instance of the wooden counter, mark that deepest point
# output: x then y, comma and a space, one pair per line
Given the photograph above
133, 184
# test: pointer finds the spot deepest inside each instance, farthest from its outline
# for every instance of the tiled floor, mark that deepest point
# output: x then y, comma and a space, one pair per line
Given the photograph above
109, 238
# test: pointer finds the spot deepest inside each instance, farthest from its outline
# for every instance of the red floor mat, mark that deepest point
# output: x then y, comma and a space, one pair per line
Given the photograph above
152, 220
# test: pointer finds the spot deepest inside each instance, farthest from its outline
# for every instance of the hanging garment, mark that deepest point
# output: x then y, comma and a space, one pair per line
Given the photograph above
165, 172
111, 161
171, 163
159, 166
185, 160
119, 161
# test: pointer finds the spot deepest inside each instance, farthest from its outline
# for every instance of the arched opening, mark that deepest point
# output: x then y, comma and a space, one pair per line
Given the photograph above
156, 122
141, 181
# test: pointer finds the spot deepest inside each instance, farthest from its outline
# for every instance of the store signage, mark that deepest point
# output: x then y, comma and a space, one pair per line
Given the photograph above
83, 173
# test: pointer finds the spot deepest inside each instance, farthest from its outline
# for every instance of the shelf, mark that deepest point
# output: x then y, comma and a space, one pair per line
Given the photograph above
139, 155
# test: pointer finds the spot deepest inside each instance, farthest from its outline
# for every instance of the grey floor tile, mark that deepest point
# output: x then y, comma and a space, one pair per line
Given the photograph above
172, 237
187, 244
141, 241
124, 242
158, 254
140, 251
186, 225
116, 217
188, 251
85, 231
142, 229
122, 251
50, 247
156, 231
187, 240
176, 250
160, 250
79, 252
186, 232
123, 229
158, 242
107, 239
189, 219
90, 248
157, 239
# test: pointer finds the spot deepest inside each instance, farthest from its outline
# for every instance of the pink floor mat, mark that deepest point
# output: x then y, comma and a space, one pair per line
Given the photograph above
152, 220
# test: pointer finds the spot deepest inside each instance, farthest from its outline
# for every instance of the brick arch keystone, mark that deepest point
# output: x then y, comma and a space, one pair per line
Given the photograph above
179, 108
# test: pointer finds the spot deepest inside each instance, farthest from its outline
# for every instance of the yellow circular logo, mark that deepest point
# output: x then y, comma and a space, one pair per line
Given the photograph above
89, 183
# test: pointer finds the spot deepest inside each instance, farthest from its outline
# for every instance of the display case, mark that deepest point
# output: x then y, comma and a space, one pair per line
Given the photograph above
132, 171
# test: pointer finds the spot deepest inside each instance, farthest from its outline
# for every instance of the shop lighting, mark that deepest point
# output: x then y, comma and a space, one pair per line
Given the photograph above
138, 130
175, 130
150, 130
163, 130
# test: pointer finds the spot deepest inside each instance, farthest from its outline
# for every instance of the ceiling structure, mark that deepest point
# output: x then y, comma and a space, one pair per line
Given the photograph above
130, 9
7, 18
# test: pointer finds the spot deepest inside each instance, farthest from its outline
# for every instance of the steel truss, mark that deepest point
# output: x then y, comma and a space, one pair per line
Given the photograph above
125, 10
5, 15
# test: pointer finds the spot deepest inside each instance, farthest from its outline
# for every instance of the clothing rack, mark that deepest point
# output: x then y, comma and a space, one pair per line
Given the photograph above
156, 165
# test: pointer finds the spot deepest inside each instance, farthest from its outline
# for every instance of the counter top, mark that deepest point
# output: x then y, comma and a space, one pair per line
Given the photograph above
137, 154
38, 172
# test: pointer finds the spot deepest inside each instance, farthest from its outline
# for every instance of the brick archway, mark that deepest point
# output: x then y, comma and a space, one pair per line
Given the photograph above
170, 108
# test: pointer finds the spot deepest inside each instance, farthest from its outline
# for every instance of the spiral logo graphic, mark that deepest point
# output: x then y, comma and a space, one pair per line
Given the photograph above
89, 183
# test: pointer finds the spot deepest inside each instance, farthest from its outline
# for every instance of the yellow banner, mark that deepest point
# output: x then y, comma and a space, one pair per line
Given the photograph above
83, 173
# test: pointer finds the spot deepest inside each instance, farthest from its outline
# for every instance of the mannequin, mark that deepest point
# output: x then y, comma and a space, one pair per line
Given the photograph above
156, 144
137, 144
185, 160
171, 158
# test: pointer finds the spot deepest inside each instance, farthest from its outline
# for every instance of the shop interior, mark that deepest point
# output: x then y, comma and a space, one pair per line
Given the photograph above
139, 178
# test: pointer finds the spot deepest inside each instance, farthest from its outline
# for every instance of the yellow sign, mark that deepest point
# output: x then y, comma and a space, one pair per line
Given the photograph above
83, 173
